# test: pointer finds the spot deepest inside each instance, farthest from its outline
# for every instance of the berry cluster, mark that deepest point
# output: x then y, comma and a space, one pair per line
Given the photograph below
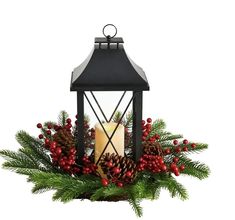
176, 169
88, 166
146, 131
153, 163
59, 141
184, 146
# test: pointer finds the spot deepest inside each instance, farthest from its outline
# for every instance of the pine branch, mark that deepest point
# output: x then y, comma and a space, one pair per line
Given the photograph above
174, 187
67, 187
15, 165
157, 127
105, 192
20, 158
62, 118
28, 154
135, 204
117, 116
194, 168
140, 190
39, 188
128, 120
156, 195
164, 138
20, 162
198, 149
36, 148
58, 194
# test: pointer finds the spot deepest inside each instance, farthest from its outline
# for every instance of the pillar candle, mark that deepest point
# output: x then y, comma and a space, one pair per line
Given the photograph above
101, 139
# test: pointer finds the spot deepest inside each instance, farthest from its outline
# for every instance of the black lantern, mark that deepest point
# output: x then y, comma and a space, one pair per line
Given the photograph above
108, 68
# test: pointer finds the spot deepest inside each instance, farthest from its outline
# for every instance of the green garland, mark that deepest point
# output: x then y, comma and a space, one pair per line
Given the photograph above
33, 160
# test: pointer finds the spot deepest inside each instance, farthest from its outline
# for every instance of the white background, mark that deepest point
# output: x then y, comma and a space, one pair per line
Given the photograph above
187, 49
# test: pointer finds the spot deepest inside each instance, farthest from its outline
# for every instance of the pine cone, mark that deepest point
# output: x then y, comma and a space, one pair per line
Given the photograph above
118, 168
64, 138
152, 148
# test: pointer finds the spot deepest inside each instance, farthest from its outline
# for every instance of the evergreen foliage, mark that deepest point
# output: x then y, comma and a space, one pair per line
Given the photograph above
33, 160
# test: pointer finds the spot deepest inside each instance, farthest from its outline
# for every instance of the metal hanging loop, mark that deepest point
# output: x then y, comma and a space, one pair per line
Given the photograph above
108, 36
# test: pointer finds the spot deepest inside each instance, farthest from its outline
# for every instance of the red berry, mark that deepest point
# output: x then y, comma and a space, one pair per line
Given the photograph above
145, 134
67, 167
164, 167
39, 125
141, 165
157, 136
56, 127
40, 136
185, 149
109, 164
49, 126
119, 184
177, 173
182, 167
104, 182
48, 132
53, 144
143, 138
76, 170
175, 142
149, 120
178, 149
176, 169
116, 170
62, 163
173, 166
175, 159
70, 161
54, 157
72, 150
143, 122
72, 157
167, 151
193, 145
58, 151
160, 160
68, 120
47, 141
128, 174
148, 126
68, 126
185, 141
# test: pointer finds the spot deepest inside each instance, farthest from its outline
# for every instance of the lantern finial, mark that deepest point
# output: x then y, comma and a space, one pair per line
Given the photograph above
109, 36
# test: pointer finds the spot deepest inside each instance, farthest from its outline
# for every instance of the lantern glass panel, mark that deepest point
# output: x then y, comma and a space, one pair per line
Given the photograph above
107, 108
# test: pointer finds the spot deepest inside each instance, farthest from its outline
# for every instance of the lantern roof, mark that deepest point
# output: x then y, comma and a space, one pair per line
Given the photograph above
108, 68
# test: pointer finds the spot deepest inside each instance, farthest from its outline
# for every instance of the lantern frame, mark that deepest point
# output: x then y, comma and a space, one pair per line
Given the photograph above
108, 68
